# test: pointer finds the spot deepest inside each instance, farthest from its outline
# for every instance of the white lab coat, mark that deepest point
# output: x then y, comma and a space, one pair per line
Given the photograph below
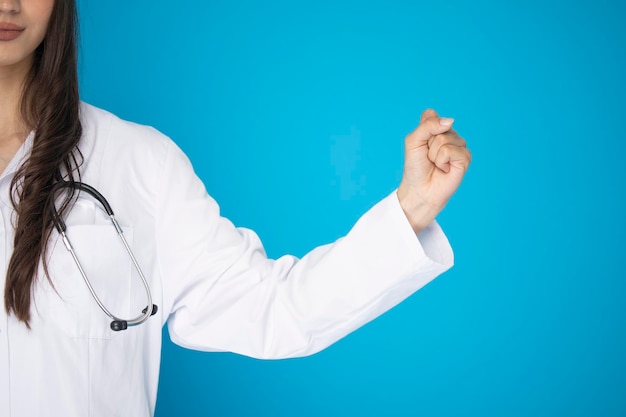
212, 282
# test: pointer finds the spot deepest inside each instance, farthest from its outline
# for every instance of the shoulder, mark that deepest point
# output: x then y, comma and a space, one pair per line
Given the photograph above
102, 126
109, 140
118, 154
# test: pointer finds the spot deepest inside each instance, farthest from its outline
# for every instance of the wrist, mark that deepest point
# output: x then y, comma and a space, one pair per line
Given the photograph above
417, 211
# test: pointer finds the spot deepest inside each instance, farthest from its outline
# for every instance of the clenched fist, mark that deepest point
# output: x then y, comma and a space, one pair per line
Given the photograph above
436, 159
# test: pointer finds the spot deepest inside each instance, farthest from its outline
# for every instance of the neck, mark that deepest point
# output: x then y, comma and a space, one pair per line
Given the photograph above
11, 84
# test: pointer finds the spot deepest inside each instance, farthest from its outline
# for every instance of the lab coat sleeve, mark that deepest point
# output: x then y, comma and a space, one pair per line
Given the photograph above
221, 292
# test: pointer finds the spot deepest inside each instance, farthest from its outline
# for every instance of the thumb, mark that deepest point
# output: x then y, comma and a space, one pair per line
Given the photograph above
427, 114
430, 125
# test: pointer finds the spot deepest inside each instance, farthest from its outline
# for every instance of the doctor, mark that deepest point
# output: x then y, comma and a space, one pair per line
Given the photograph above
212, 282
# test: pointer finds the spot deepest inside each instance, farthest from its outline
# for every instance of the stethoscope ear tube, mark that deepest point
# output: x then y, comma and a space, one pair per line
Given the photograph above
117, 324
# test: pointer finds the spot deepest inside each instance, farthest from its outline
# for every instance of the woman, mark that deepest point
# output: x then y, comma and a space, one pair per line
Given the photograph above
212, 283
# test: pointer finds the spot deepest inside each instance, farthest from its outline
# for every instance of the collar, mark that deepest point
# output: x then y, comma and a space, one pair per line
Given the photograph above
7, 175
20, 156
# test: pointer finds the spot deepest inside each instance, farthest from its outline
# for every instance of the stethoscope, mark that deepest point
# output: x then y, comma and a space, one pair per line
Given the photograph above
118, 323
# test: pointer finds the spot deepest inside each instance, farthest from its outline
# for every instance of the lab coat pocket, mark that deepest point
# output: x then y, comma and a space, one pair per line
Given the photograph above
71, 306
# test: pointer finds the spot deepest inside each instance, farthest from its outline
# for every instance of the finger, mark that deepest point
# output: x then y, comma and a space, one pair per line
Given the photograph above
430, 125
450, 156
449, 132
448, 138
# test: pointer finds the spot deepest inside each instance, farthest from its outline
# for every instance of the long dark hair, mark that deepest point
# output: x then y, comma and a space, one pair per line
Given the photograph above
50, 105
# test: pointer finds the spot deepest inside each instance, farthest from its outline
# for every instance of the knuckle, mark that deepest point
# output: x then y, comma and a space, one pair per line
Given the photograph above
446, 149
436, 142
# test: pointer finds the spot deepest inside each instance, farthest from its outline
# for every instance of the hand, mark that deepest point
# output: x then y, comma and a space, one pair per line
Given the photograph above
435, 162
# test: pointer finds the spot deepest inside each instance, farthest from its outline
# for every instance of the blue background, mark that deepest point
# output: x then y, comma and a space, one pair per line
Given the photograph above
294, 116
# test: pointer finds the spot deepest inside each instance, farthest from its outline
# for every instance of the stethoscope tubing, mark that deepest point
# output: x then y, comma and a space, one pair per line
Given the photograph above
117, 323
